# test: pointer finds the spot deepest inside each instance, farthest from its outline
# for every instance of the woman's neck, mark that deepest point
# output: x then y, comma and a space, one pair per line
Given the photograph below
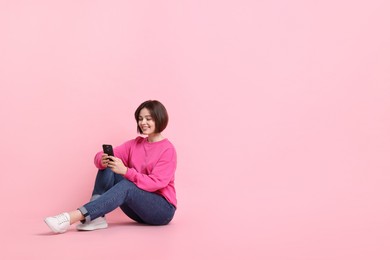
155, 137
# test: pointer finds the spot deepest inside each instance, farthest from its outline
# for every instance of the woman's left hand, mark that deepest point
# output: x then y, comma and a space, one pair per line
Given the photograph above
116, 165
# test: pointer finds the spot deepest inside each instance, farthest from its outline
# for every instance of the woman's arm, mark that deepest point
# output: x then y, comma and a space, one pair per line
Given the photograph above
162, 173
122, 152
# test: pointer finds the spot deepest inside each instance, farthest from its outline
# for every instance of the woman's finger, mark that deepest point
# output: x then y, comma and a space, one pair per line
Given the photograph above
113, 158
111, 164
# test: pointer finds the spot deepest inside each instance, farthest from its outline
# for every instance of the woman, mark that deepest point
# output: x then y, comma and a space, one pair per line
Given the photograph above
139, 178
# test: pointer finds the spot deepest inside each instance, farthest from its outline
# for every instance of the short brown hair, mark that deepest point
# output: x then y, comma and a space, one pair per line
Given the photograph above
157, 111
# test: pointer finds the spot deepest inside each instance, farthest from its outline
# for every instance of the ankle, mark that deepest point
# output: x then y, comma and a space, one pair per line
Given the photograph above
75, 216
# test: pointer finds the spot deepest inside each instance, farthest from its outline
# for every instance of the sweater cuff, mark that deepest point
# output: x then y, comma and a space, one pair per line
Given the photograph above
98, 161
130, 174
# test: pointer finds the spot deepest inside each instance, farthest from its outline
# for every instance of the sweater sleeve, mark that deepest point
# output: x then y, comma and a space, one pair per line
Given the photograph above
123, 152
98, 161
162, 173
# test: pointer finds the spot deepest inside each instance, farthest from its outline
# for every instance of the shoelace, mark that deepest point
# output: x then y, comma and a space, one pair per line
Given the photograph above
62, 218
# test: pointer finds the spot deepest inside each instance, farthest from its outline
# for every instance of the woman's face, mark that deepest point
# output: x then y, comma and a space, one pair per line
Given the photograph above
146, 122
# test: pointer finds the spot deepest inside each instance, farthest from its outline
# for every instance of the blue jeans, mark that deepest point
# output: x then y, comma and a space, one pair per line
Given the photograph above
113, 190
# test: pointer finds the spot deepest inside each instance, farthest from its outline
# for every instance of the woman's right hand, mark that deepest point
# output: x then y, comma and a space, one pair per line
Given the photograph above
105, 159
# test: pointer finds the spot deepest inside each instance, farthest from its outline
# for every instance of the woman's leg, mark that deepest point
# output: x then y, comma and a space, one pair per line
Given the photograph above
131, 214
147, 207
105, 179
107, 202
75, 216
140, 205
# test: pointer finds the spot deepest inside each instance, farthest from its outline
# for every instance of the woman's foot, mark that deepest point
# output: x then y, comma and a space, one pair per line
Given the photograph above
59, 223
98, 223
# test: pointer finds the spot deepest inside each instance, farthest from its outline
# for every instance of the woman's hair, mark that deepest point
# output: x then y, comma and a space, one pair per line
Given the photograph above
157, 111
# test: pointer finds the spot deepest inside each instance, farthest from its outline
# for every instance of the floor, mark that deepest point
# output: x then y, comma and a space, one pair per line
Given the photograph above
189, 236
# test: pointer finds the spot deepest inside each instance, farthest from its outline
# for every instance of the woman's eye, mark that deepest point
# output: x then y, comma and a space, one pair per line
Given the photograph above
148, 119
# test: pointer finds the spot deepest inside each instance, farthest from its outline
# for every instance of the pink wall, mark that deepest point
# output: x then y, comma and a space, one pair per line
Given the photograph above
279, 112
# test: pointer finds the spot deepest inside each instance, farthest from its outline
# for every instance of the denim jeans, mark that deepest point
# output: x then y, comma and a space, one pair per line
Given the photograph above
113, 190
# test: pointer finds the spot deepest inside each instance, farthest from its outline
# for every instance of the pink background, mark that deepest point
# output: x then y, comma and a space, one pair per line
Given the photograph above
279, 111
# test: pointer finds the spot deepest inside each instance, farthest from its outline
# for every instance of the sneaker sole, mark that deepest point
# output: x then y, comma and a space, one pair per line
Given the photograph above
91, 228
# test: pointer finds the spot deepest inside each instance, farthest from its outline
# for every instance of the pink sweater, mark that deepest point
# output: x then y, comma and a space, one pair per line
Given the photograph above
151, 166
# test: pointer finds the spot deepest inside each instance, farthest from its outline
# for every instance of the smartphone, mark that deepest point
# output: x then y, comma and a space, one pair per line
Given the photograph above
107, 148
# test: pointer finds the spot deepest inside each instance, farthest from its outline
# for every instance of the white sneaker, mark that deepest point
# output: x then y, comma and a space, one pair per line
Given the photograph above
59, 223
98, 223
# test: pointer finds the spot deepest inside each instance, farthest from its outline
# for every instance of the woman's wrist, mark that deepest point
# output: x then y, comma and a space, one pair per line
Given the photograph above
124, 171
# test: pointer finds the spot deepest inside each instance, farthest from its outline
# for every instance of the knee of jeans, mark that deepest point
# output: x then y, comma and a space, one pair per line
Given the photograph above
105, 171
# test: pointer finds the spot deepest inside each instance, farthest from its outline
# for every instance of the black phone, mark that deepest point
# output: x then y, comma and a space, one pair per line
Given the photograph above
107, 148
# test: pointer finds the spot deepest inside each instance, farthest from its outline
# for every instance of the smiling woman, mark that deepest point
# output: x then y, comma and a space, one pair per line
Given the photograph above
139, 178
152, 119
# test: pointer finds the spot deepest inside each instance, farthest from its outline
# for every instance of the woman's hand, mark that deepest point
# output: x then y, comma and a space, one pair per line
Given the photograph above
105, 160
116, 165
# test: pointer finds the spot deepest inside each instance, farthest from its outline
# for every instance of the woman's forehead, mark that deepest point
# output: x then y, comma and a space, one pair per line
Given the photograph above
144, 112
